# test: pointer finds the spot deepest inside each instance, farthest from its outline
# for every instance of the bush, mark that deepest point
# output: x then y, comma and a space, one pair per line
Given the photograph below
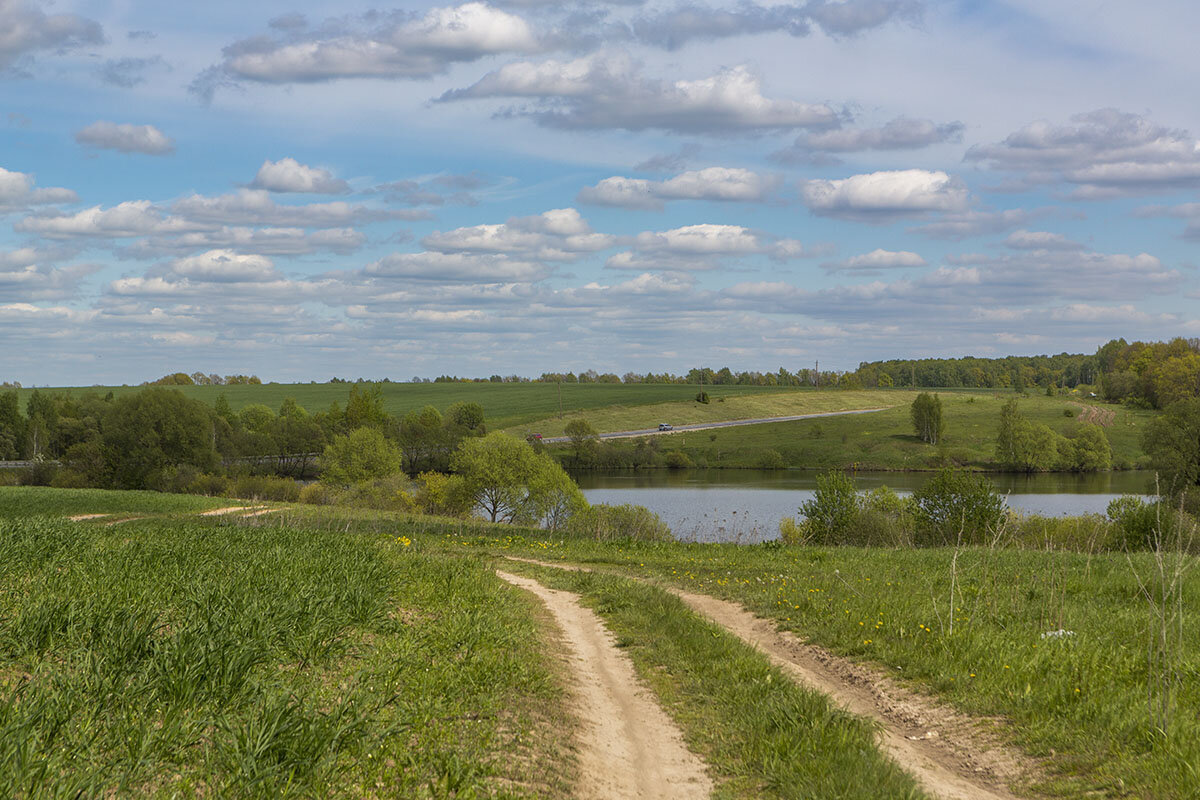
210, 485
792, 532
265, 487
317, 494
40, 474
440, 494
956, 506
605, 523
702, 397
70, 479
677, 459
382, 494
771, 459
833, 508
9, 477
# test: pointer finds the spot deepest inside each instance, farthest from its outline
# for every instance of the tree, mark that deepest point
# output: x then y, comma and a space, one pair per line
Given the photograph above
1025, 445
1089, 449
509, 482
584, 440
145, 433
954, 506
364, 408
421, 440
468, 416
12, 426
1173, 442
927, 417
362, 456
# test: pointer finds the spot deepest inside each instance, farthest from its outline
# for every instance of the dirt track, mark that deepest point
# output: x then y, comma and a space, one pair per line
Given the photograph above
951, 755
629, 747
704, 426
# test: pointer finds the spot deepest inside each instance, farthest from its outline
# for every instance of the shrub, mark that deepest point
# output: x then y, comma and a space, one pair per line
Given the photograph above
956, 506
833, 508
677, 459
440, 494
40, 474
317, 494
771, 459
607, 523
70, 479
210, 485
382, 494
702, 397
265, 487
9, 477
793, 532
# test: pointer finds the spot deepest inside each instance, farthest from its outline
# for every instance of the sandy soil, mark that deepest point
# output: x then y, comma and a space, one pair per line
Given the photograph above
82, 517
952, 756
629, 747
216, 512
260, 512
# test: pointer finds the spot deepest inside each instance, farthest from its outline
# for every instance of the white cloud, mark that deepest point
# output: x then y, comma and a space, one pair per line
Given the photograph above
965, 224
1105, 153
25, 29
131, 218
289, 175
467, 267
711, 183
126, 138
376, 45
224, 266
901, 133
257, 207
607, 90
17, 192
705, 240
885, 196
879, 259
556, 235
1040, 240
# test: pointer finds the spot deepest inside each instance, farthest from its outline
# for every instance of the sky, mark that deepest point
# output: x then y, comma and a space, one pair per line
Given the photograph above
309, 190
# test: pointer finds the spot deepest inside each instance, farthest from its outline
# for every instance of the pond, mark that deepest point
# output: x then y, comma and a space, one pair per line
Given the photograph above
747, 505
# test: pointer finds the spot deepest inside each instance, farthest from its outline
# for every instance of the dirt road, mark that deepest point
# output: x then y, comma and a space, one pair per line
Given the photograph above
704, 426
950, 754
629, 747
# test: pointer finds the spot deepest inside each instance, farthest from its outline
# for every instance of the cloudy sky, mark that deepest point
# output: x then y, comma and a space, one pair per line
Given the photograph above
303, 191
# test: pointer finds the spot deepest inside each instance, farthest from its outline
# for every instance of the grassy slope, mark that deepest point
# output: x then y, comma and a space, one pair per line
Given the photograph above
505, 404
178, 657
1080, 701
885, 440
768, 403
25, 501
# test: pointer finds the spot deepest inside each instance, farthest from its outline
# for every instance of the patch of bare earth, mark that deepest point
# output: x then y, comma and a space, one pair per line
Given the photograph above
84, 517
216, 512
628, 746
260, 512
953, 756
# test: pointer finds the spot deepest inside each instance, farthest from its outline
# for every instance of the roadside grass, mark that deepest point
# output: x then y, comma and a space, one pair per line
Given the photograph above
772, 402
1085, 700
884, 440
235, 658
26, 501
505, 405
762, 735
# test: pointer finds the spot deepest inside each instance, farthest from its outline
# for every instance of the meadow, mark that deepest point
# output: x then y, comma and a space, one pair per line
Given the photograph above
885, 440
343, 652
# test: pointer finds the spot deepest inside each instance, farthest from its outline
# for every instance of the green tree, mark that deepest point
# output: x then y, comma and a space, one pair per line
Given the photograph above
956, 506
508, 481
1025, 445
145, 433
364, 408
468, 416
584, 440
927, 419
1089, 449
832, 509
1173, 442
362, 456
12, 426
422, 440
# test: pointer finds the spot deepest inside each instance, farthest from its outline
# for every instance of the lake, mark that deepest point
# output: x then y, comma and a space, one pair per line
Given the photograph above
735, 505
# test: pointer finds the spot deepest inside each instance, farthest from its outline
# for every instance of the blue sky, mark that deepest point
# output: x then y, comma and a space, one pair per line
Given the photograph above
302, 191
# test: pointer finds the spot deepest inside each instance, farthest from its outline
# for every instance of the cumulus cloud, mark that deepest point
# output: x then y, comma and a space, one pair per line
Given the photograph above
560, 234
265, 241
289, 175
465, 267
25, 29
1185, 211
672, 28
257, 207
374, 45
607, 90
18, 192
131, 218
1104, 153
127, 73
712, 183
878, 259
224, 266
886, 196
902, 133
30, 273
1040, 240
126, 138
700, 247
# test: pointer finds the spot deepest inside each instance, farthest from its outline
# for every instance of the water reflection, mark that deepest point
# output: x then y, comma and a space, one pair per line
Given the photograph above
746, 505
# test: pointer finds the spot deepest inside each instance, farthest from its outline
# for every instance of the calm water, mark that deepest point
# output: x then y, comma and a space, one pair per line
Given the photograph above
746, 505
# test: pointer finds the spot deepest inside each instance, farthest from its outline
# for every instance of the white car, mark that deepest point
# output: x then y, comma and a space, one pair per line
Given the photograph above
662, 426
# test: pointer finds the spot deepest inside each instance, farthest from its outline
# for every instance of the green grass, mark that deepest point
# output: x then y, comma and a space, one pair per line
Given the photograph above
187, 658
1079, 701
505, 405
762, 735
885, 440
25, 501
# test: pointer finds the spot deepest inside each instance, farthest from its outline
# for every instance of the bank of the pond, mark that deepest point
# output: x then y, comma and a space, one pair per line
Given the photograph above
747, 505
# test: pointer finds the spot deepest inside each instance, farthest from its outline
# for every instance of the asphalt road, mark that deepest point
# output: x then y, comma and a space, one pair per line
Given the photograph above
704, 426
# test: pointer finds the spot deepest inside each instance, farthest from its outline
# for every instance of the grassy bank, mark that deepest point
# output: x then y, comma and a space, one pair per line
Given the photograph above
885, 440
182, 658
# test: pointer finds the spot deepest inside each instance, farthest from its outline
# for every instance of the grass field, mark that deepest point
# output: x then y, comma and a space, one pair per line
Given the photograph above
505, 405
338, 652
177, 658
885, 440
